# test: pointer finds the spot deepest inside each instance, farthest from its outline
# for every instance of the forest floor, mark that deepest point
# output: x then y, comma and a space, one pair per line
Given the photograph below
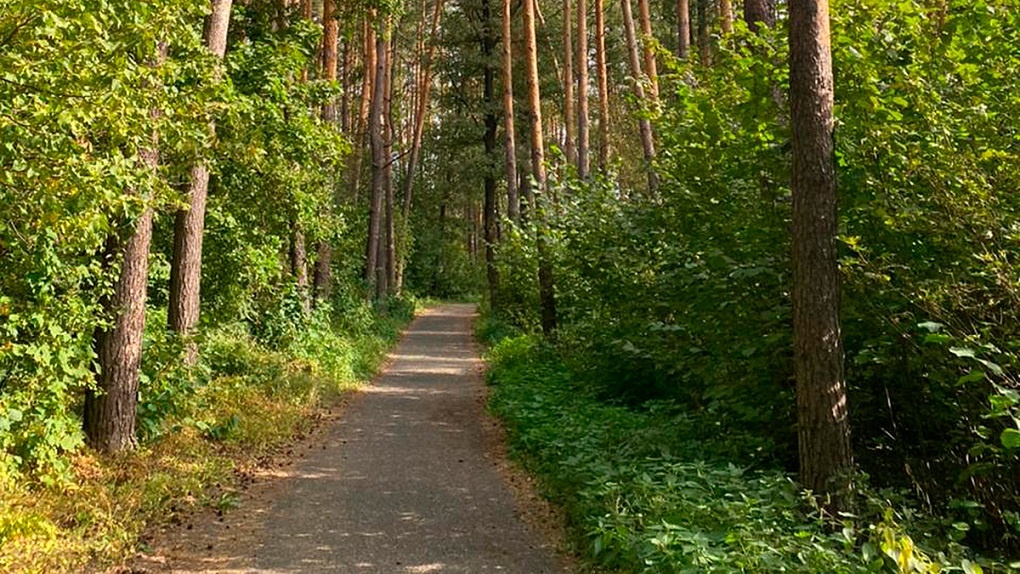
409, 475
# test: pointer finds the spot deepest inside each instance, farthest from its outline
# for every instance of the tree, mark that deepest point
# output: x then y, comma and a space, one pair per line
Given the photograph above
583, 160
423, 90
648, 44
569, 144
758, 12
109, 417
545, 273
726, 16
822, 422
376, 131
602, 77
322, 278
489, 214
509, 137
186, 265
637, 75
683, 28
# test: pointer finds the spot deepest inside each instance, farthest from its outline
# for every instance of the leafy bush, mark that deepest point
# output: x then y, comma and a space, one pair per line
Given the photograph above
662, 491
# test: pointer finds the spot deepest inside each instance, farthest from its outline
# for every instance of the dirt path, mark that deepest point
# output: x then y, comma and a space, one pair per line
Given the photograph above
409, 479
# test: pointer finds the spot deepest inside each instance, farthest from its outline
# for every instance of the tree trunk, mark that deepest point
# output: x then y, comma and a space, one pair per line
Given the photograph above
705, 11
111, 408
299, 262
569, 145
322, 278
683, 28
602, 76
758, 12
186, 263
370, 65
583, 160
726, 16
647, 137
509, 142
387, 256
546, 289
822, 423
376, 137
422, 93
489, 215
648, 42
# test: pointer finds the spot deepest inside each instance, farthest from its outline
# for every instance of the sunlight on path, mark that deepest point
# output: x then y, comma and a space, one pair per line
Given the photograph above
404, 482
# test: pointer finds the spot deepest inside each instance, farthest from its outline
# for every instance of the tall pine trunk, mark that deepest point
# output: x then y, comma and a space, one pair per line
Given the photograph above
569, 144
322, 277
546, 289
509, 138
726, 16
189, 226
602, 79
647, 137
583, 137
489, 214
376, 139
648, 43
683, 28
822, 416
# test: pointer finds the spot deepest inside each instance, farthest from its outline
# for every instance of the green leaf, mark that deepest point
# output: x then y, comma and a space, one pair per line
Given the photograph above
1010, 438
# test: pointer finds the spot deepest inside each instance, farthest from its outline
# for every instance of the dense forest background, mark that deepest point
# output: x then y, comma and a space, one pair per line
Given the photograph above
211, 206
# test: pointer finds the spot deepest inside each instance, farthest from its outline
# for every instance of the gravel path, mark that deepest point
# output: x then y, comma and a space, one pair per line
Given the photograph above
405, 482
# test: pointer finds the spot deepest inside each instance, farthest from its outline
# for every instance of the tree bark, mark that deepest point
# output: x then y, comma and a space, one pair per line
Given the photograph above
759, 12
705, 11
602, 76
546, 289
509, 138
822, 421
648, 42
390, 267
726, 16
424, 87
569, 144
647, 137
583, 137
299, 261
322, 276
189, 226
370, 65
111, 407
489, 215
376, 131
683, 28
423, 91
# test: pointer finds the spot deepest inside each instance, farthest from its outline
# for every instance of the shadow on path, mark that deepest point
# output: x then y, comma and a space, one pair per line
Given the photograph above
403, 482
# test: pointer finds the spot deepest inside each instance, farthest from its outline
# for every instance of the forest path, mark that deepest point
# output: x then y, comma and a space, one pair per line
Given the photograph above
405, 481
409, 477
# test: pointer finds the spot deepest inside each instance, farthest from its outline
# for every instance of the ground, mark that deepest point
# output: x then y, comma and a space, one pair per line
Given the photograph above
409, 476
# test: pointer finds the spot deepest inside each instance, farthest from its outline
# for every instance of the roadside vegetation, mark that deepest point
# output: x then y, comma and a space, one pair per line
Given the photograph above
204, 431
662, 489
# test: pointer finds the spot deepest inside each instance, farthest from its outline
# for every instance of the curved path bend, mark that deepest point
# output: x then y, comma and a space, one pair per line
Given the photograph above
404, 482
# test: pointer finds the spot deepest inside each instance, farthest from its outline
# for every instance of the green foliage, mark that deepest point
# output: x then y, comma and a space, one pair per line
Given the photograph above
83, 88
657, 491
684, 296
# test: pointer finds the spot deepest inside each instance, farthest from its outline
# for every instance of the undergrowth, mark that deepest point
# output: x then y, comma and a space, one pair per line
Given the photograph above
259, 385
660, 490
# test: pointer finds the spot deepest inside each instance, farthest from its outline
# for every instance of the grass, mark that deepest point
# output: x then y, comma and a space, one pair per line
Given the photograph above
250, 403
659, 490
